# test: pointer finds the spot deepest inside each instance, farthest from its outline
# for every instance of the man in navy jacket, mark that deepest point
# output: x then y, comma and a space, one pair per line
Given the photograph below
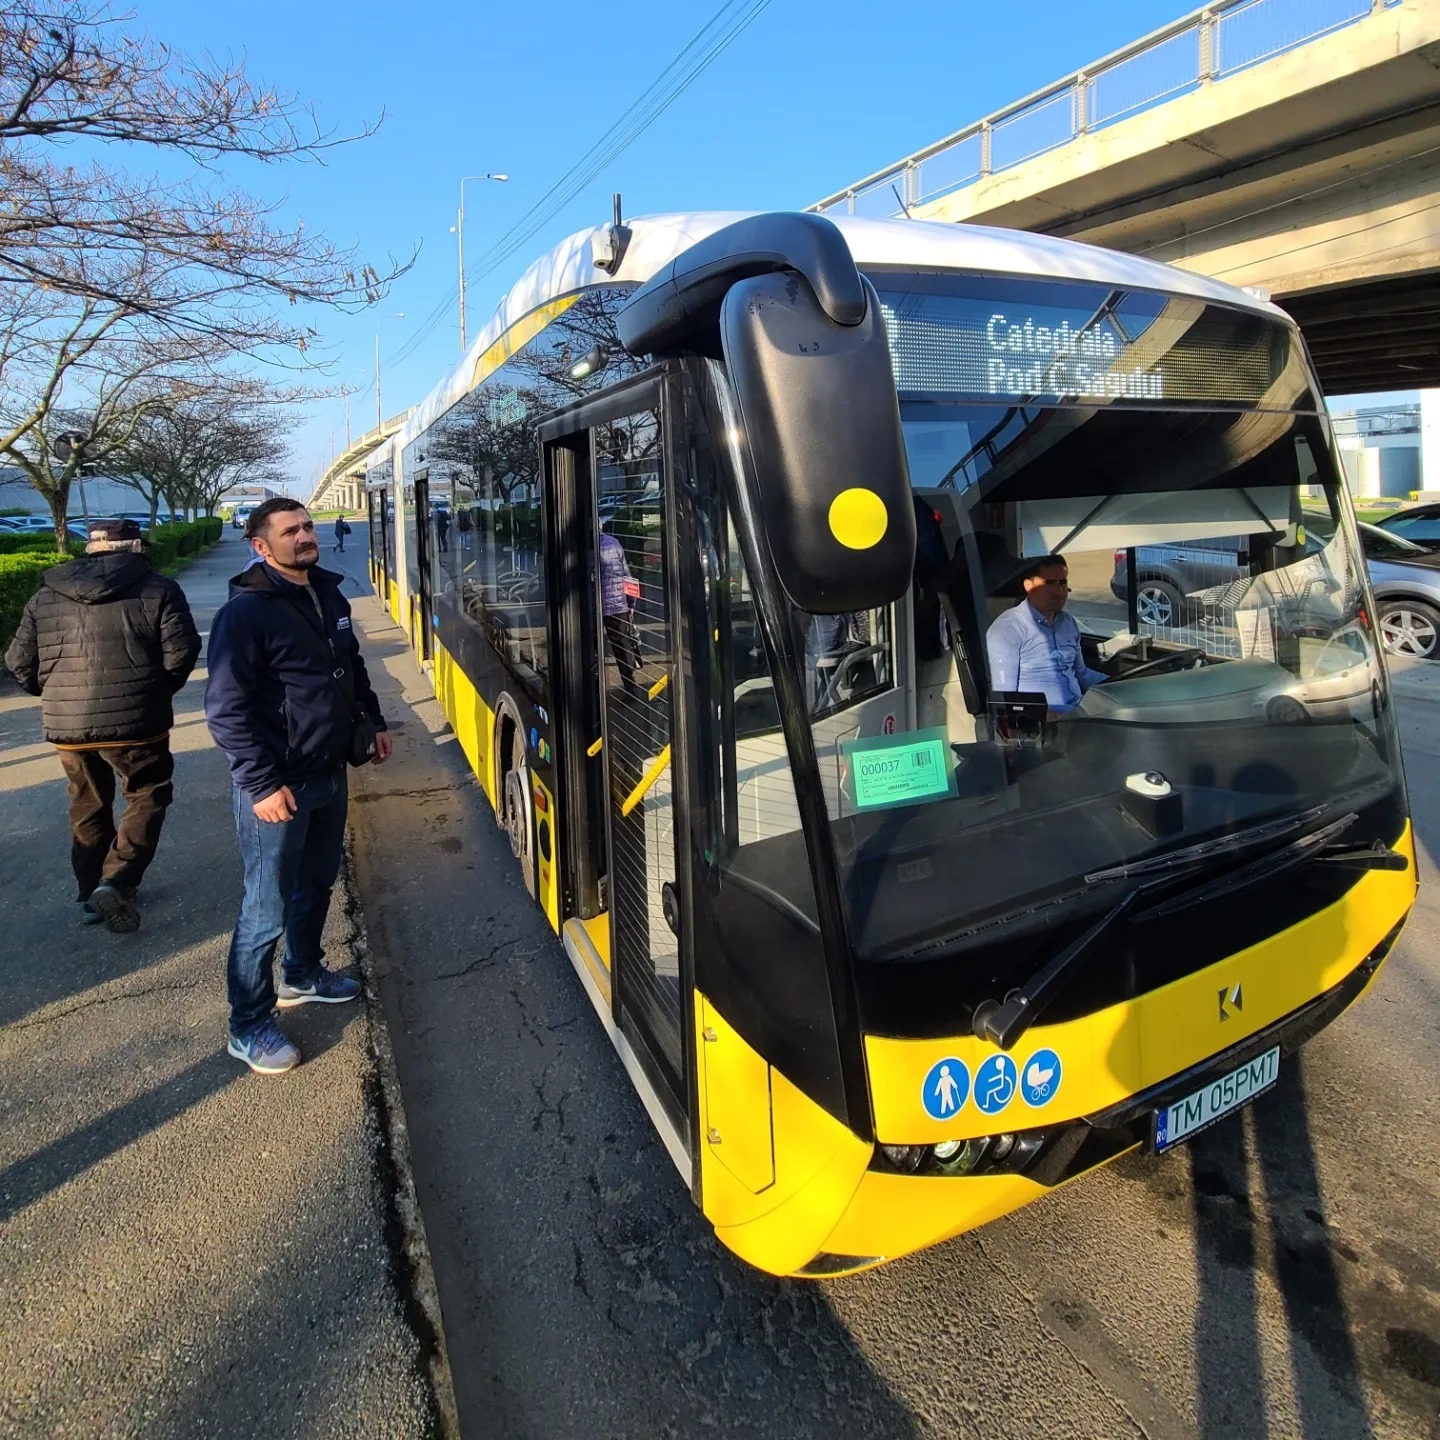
282, 656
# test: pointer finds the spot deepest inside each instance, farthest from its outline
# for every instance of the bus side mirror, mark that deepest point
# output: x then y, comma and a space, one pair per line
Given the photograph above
827, 477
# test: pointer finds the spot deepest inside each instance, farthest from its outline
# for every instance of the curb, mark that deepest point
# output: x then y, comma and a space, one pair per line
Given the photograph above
413, 1275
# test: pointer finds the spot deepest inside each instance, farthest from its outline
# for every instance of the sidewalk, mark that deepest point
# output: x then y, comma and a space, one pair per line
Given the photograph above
185, 1249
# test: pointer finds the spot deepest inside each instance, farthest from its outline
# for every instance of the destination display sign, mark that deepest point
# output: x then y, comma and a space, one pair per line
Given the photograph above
1081, 343
899, 769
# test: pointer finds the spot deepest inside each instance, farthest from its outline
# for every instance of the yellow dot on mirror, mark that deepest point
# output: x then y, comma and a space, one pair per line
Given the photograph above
858, 518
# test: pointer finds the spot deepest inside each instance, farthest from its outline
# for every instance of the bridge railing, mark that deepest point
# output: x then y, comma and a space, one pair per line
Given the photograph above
1388, 420
1199, 49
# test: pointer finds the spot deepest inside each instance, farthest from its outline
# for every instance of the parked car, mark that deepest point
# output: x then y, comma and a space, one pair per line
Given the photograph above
1404, 577
1420, 524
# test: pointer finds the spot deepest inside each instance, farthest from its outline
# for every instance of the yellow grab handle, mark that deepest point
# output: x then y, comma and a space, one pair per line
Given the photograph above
595, 749
655, 770
654, 692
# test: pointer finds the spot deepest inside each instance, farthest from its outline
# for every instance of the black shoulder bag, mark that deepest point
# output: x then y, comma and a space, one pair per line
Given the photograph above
362, 727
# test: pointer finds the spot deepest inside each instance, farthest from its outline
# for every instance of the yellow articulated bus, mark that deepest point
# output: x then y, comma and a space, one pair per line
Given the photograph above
912, 873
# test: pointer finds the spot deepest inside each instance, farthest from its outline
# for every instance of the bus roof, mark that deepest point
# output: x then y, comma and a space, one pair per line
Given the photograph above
919, 244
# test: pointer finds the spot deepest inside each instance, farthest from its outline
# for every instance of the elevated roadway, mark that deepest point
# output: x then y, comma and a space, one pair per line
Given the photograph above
1309, 168
342, 486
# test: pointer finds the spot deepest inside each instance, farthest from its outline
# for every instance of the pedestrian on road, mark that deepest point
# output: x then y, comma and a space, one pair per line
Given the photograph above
106, 642
289, 702
341, 531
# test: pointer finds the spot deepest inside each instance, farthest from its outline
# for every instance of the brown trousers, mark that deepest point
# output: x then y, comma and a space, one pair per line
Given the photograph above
100, 850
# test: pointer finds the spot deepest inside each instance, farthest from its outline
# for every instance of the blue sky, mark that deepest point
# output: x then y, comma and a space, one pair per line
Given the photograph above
815, 94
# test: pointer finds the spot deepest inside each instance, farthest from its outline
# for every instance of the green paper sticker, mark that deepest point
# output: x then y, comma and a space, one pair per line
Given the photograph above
899, 769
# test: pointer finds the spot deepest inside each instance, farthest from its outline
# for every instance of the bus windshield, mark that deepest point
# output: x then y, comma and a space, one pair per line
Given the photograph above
1201, 663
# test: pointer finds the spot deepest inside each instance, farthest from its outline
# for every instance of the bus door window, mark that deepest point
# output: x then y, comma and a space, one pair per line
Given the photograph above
634, 637
847, 657
440, 498
373, 501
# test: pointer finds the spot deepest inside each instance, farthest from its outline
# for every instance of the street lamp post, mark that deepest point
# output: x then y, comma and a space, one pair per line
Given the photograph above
379, 416
460, 244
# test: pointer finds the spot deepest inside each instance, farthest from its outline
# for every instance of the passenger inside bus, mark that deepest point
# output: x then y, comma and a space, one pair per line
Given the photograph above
1035, 647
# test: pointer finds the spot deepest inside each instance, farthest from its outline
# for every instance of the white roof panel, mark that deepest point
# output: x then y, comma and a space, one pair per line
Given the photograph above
919, 244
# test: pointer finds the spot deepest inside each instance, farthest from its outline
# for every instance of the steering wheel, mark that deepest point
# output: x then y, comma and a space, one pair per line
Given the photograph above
1175, 660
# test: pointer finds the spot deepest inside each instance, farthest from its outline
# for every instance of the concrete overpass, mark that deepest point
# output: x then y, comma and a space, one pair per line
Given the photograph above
1290, 147
342, 486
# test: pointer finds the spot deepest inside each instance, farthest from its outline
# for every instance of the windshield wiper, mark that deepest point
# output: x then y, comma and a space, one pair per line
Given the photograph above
1375, 856
1298, 852
1003, 1022
1198, 854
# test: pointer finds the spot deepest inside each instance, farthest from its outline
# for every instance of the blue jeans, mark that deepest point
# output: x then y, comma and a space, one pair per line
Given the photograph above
290, 868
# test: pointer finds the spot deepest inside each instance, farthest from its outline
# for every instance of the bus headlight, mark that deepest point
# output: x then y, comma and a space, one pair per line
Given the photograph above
905, 1158
959, 1157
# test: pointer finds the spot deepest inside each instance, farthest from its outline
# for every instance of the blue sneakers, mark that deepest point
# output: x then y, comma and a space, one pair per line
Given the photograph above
327, 988
267, 1051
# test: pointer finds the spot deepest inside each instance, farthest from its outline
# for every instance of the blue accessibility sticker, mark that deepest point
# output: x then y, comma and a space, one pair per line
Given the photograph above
946, 1088
995, 1084
1040, 1079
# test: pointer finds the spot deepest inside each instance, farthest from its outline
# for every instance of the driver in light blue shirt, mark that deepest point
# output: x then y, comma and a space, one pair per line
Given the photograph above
1036, 646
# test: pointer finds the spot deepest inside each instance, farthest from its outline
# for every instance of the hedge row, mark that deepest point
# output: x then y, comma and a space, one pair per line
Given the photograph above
169, 543
20, 570
19, 580
41, 543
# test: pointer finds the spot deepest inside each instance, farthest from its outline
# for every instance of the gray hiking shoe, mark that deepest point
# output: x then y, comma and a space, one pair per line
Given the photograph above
116, 907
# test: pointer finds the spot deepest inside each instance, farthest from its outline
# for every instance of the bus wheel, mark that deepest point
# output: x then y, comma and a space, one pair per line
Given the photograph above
517, 809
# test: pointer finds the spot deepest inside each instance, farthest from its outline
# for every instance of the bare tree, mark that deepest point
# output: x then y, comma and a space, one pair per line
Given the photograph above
193, 448
76, 69
84, 370
115, 289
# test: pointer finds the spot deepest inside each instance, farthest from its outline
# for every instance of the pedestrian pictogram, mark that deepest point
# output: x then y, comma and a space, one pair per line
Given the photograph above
946, 1088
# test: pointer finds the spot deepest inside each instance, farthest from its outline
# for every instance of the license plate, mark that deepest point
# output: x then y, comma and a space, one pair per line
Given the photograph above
1221, 1097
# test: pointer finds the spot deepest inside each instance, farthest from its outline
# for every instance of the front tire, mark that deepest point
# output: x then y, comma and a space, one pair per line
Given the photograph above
1410, 628
516, 802
1159, 604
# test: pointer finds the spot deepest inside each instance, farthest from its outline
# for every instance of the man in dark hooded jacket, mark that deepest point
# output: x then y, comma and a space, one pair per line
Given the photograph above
106, 642
286, 681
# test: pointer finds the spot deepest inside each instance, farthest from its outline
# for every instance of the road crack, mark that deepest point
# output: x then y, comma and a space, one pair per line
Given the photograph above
43, 1019
371, 797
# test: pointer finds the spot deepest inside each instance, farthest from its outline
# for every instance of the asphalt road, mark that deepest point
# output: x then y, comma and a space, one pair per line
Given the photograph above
186, 1249
1279, 1277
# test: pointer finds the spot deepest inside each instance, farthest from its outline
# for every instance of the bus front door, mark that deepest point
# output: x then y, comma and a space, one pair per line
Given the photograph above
616, 721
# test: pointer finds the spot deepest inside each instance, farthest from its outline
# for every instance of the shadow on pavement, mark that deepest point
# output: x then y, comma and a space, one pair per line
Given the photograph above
26, 1181
1234, 1220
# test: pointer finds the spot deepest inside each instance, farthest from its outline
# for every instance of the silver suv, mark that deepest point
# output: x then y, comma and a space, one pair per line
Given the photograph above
1404, 577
